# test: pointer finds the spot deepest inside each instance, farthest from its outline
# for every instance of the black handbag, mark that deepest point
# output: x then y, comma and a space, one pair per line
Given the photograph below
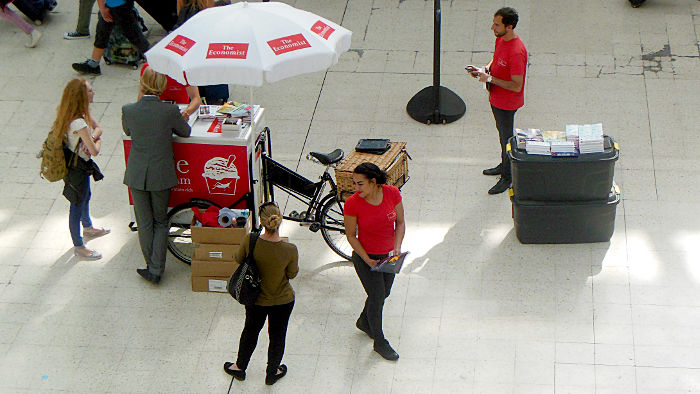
245, 284
373, 145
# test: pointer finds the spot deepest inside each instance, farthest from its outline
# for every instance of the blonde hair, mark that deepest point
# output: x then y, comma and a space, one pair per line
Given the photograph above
153, 82
74, 104
270, 216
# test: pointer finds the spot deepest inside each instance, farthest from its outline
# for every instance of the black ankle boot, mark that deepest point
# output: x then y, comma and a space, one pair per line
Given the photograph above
385, 350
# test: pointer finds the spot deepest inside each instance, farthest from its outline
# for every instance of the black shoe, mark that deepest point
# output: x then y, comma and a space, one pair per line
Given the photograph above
385, 350
146, 274
272, 379
362, 325
86, 68
492, 171
502, 185
236, 373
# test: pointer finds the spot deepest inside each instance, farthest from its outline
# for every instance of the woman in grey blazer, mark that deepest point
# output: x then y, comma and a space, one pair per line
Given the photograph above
150, 171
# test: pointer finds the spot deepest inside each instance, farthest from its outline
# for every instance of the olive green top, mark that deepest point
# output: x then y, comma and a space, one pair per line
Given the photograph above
278, 262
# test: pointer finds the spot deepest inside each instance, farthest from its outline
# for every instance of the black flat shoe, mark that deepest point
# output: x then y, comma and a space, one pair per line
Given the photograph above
492, 171
501, 186
363, 326
385, 350
272, 379
146, 274
236, 373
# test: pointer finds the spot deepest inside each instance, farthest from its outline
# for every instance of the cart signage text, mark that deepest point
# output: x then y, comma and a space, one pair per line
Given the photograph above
180, 45
288, 44
322, 29
227, 51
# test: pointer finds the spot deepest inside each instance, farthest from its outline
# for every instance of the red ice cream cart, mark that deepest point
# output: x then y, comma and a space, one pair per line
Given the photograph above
217, 164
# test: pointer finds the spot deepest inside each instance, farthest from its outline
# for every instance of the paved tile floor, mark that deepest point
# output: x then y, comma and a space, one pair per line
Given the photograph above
475, 311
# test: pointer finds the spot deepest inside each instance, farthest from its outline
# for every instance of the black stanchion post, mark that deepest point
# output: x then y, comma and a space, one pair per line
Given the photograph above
436, 104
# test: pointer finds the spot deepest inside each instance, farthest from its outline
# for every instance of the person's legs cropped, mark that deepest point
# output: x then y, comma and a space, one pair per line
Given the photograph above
255, 316
278, 320
84, 15
102, 33
17, 20
126, 18
159, 208
377, 287
144, 223
80, 214
505, 120
85, 211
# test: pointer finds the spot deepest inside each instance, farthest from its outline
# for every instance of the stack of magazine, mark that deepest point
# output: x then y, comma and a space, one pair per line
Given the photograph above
577, 139
390, 264
235, 111
590, 137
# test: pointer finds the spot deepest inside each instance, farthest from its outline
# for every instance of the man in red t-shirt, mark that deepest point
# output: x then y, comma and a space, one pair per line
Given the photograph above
505, 78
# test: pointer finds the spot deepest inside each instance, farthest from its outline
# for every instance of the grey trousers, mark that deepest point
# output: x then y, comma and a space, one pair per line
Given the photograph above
151, 209
84, 14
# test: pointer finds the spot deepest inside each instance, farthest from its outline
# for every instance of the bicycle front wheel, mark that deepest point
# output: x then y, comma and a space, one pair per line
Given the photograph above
179, 234
333, 226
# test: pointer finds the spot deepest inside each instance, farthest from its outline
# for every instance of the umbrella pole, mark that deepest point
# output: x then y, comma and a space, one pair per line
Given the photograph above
251, 95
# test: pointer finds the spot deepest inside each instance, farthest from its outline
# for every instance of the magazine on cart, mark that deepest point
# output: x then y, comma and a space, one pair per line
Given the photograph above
390, 264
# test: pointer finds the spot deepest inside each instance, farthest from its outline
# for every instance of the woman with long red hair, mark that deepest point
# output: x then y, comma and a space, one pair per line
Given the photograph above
82, 137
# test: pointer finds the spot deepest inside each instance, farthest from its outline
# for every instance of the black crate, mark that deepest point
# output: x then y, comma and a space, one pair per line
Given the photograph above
559, 222
587, 177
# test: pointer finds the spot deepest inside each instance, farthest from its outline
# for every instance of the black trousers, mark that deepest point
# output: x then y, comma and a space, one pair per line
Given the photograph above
378, 287
505, 121
277, 320
125, 17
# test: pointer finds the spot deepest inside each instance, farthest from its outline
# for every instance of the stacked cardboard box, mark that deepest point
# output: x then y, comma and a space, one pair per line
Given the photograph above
212, 262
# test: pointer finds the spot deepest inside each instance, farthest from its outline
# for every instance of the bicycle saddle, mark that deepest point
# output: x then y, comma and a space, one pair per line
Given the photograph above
328, 158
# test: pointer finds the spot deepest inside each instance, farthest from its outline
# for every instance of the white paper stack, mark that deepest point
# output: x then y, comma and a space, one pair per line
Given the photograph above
563, 148
572, 134
590, 137
537, 148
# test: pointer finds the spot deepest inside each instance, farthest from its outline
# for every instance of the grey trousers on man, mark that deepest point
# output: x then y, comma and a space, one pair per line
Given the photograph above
84, 14
151, 210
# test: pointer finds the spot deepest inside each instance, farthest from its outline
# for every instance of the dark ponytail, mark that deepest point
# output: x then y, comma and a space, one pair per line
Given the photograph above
371, 171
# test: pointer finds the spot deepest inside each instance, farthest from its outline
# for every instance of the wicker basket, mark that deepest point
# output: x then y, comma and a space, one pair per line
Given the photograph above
394, 162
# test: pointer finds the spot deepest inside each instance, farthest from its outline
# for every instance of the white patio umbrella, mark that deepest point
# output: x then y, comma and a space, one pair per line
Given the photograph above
249, 44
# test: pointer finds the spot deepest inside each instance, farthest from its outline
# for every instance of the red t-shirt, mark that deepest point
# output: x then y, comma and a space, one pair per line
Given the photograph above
174, 90
509, 58
375, 223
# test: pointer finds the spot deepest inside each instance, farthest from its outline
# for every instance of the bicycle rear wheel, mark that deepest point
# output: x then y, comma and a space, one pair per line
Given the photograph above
179, 235
333, 226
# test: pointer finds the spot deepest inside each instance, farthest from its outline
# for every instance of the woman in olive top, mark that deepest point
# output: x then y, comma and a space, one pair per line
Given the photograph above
277, 262
375, 227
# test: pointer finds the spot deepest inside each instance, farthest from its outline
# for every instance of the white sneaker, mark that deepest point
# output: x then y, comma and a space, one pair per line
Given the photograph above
34, 38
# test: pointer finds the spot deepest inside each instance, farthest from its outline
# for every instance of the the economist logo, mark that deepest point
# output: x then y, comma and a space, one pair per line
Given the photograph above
288, 44
227, 51
180, 45
322, 29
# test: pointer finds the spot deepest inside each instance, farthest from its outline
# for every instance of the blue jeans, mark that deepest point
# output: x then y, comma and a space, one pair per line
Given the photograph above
80, 213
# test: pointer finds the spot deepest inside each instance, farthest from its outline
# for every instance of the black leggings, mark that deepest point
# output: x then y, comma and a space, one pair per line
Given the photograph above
255, 316
125, 17
505, 120
378, 287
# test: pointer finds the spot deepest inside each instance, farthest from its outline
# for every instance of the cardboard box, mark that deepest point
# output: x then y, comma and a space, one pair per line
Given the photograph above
214, 252
213, 268
212, 284
219, 235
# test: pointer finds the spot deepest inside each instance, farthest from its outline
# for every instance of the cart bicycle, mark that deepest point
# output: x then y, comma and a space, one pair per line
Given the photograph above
324, 212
